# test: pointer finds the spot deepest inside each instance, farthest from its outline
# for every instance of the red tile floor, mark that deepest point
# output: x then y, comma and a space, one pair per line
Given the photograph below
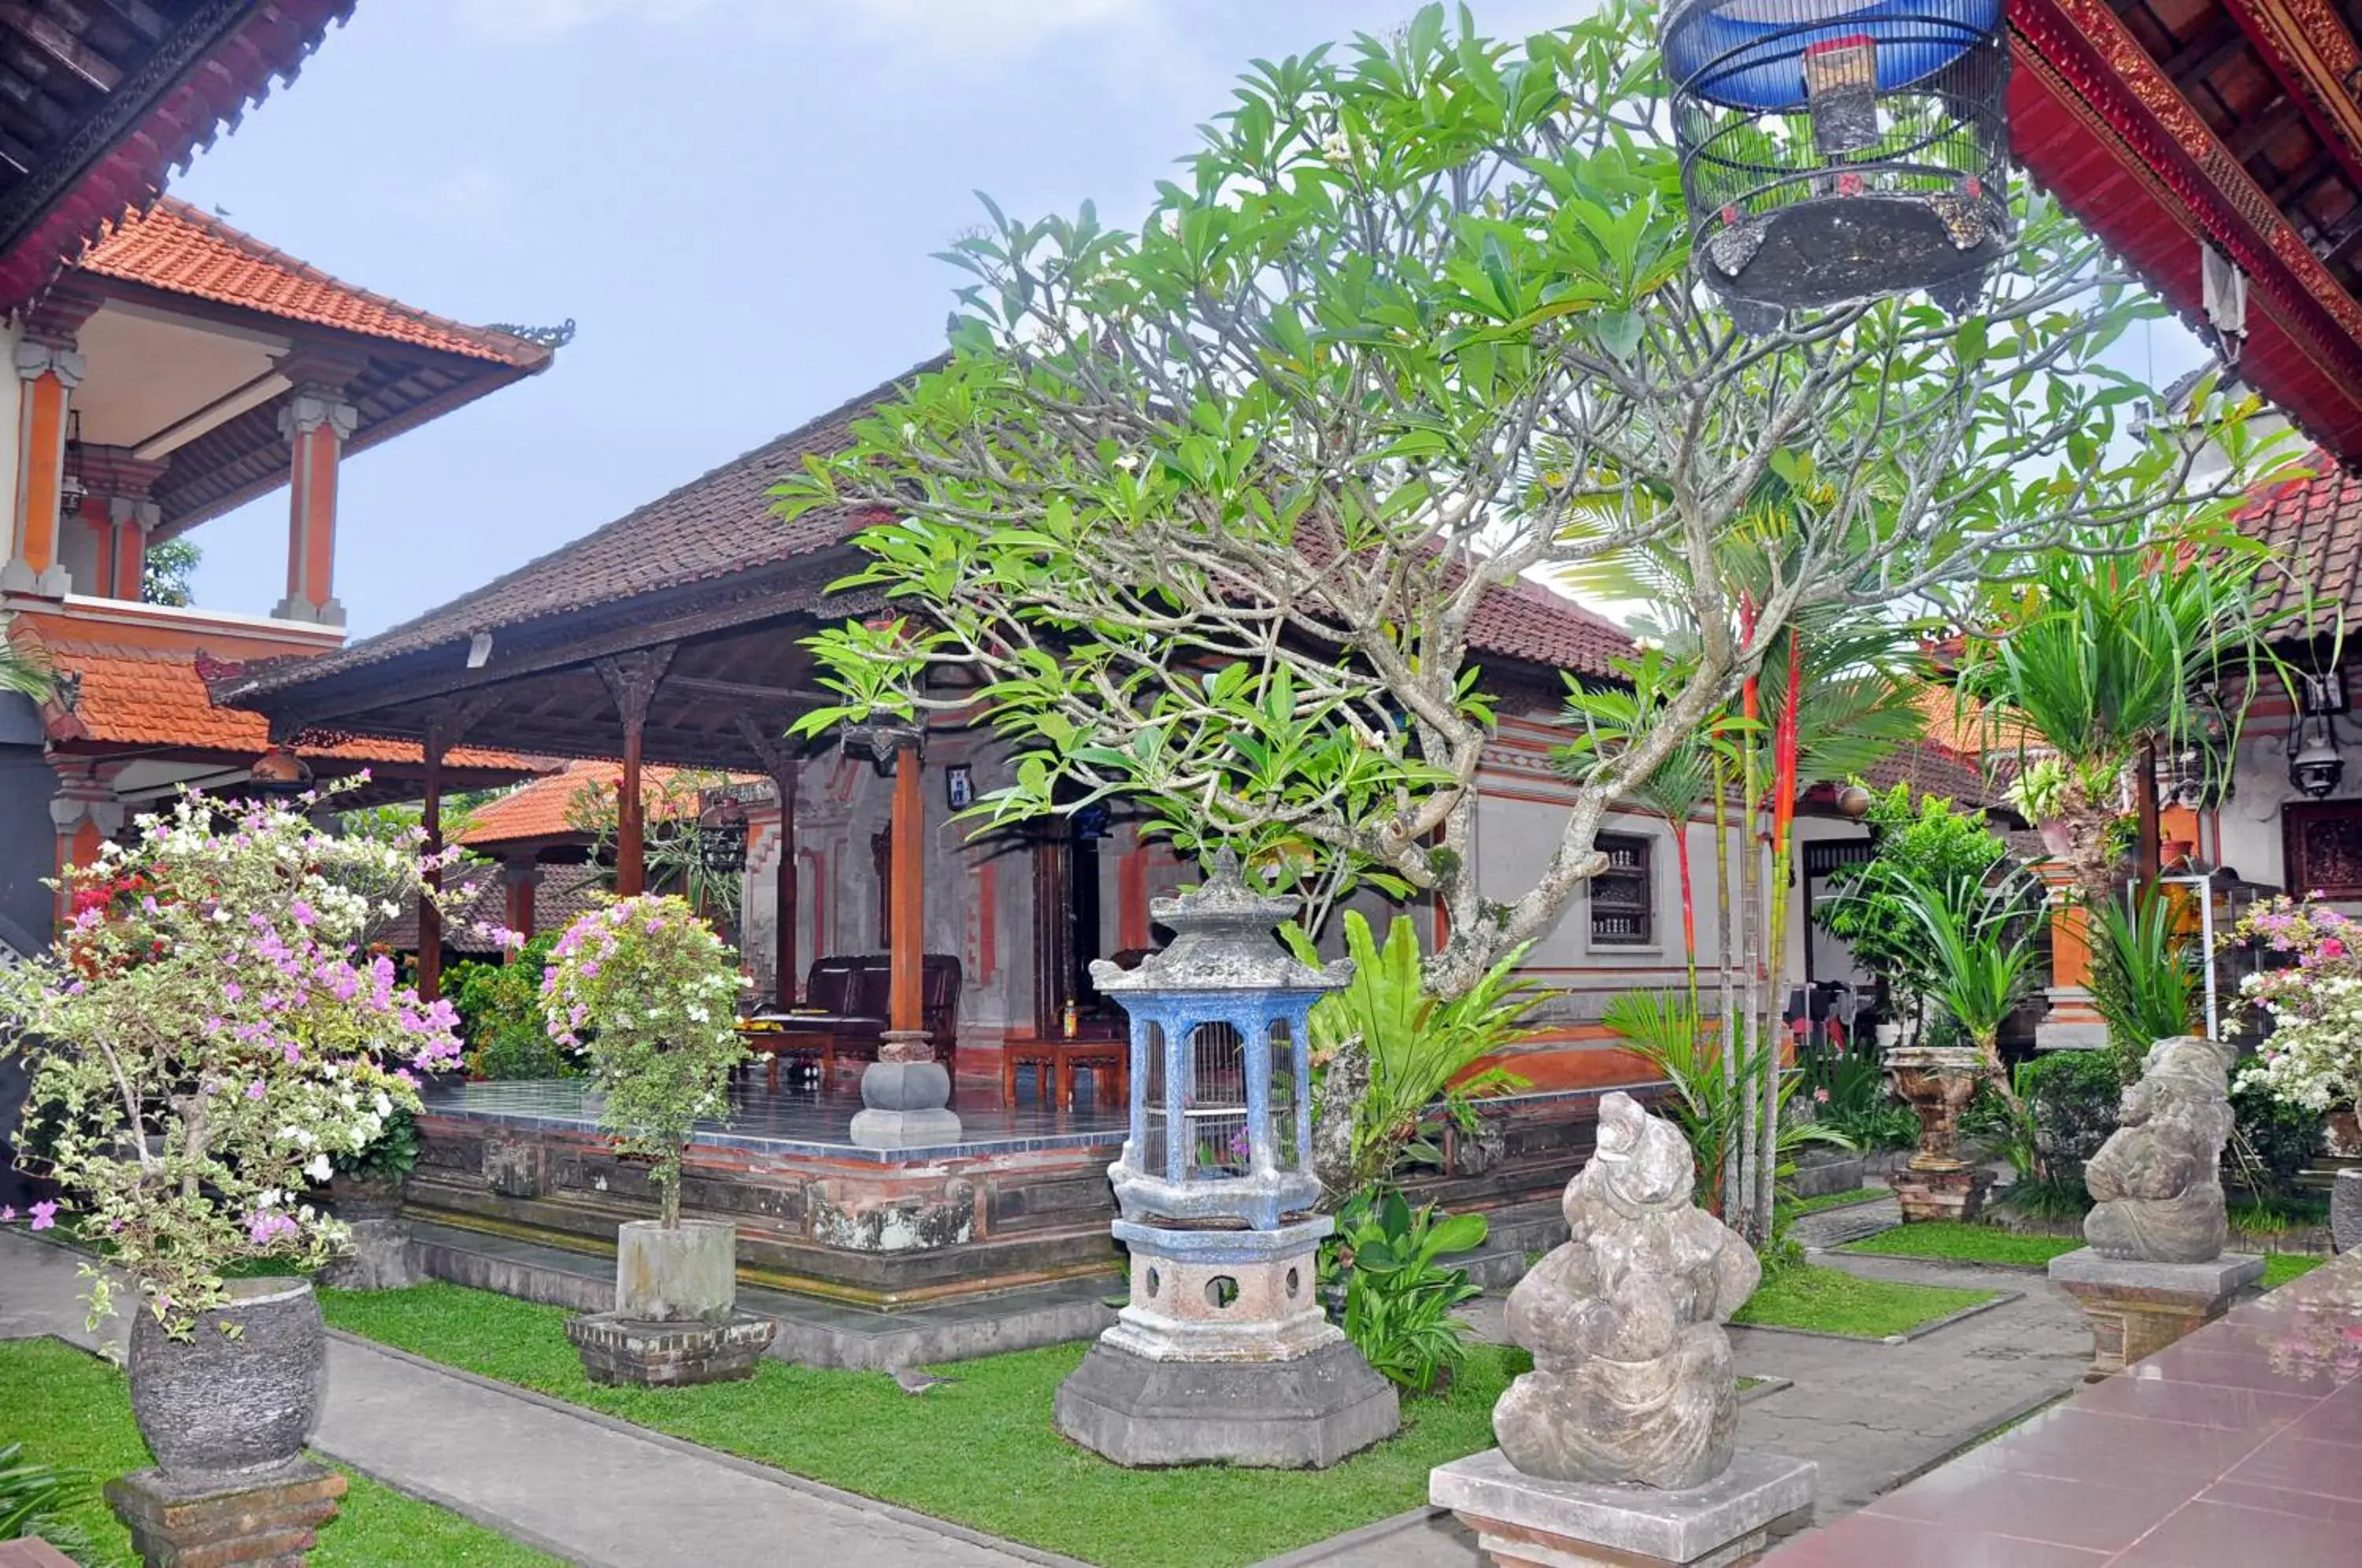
2241, 1447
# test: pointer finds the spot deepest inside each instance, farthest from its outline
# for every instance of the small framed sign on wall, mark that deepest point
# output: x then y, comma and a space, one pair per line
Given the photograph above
959, 786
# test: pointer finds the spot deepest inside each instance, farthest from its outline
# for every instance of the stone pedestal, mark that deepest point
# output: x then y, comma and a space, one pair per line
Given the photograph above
2073, 1022
1224, 1355
905, 1097
380, 1260
268, 1519
2346, 1210
2137, 1308
1957, 1193
1522, 1523
615, 1349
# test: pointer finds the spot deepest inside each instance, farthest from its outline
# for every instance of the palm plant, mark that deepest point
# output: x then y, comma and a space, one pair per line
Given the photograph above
25, 669
1396, 1057
2092, 655
1982, 952
39, 1500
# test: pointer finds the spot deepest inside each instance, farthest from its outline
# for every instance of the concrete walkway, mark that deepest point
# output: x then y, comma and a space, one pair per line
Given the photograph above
573, 1483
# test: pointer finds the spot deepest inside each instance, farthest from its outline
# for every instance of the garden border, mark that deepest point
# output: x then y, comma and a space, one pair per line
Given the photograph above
2000, 1299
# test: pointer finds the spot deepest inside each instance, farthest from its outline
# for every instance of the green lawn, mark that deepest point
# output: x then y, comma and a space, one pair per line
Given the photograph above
1835, 1302
2282, 1267
979, 1451
1832, 1200
1950, 1239
71, 1411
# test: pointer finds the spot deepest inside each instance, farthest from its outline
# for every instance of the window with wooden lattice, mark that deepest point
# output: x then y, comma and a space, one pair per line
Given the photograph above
1623, 894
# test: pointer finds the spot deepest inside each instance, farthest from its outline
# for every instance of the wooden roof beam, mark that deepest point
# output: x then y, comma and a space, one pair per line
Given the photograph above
2312, 63
2202, 56
62, 46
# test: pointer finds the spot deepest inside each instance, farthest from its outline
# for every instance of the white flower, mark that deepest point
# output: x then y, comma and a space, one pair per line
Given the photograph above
318, 1169
384, 1106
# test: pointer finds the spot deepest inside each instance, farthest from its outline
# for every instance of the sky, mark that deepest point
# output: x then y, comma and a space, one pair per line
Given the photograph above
736, 201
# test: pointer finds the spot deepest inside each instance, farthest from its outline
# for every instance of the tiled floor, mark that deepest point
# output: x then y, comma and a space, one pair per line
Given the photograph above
2241, 1447
796, 1120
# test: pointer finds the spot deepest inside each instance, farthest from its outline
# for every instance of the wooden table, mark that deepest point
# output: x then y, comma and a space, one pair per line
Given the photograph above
1055, 1062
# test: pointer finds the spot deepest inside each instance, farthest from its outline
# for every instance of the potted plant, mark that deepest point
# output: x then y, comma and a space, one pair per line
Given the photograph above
2312, 1059
208, 1042
647, 993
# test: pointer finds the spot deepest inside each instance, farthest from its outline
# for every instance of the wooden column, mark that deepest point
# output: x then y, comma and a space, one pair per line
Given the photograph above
519, 879
905, 1012
780, 762
631, 680
430, 916
2148, 853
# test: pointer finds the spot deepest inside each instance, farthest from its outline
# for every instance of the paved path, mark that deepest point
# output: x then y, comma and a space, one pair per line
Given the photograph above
1871, 1415
574, 1485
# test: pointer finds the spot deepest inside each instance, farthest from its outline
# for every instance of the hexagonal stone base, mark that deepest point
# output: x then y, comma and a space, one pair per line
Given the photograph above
669, 1355
1308, 1413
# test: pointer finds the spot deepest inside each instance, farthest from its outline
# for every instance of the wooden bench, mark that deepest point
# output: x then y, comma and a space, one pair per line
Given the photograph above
1053, 1063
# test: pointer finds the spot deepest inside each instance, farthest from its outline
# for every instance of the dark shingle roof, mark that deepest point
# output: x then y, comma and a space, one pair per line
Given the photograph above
722, 522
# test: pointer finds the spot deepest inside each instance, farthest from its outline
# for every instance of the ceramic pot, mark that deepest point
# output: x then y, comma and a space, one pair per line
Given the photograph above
220, 1404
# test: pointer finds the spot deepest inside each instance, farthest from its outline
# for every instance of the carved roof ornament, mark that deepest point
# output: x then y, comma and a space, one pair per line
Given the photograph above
1222, 941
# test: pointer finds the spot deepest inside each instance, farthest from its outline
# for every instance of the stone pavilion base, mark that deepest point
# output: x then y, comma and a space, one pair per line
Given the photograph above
2137, 1308
1306, 1413
1523, 1522
1941, 1194
269, 1518
615, 1349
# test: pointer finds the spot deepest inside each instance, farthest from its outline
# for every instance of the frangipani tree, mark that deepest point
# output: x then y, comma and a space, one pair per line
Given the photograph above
1205, 515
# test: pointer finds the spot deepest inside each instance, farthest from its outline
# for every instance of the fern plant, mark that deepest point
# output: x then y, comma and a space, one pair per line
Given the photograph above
39, 1500
1405, 1060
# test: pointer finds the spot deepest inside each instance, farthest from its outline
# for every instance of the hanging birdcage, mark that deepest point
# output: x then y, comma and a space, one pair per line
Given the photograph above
1834, 151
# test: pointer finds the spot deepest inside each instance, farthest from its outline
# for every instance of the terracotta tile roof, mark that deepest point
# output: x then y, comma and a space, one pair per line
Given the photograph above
183, 112
149, 696
175, 248
540, 810
1931, 767
2316, 526
722, 522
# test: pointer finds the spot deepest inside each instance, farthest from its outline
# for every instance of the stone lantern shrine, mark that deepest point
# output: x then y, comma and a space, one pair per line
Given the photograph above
1223, 1353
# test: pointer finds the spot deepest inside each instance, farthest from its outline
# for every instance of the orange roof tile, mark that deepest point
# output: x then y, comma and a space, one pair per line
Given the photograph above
150, 696
543, 808
175, 248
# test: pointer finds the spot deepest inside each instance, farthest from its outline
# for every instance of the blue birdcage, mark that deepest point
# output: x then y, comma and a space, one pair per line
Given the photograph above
1833, 151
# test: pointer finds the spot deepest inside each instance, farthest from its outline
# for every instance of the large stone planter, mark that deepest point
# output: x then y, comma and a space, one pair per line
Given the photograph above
223, 1404
1936, 1082
2346, 1210
380, 1256
676, 1319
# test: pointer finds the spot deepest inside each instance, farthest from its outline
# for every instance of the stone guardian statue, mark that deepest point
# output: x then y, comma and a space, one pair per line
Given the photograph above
2157, 1180
1632, 1379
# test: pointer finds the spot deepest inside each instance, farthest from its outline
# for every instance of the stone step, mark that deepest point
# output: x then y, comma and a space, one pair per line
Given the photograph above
812, 1333
1516, 1231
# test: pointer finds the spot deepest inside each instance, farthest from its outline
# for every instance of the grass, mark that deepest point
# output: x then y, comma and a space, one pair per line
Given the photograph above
1793, 1205
2282, 1267
1836, 1302
1956, 1242
980, 1451
71, 1411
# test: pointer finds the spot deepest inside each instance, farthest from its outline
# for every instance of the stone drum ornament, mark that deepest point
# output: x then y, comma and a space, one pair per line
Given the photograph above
1632, 1379
2157, 1180
2156, 1268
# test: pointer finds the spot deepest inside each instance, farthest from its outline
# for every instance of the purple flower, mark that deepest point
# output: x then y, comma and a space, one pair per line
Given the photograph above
232, 990
590, 968
7, 1214
255, 1089
301, 912
45, 1216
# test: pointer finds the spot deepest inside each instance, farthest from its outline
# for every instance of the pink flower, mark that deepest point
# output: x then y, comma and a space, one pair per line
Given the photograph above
1820, 1097
2333, 948
255, 1089
6, 1214
45, 1216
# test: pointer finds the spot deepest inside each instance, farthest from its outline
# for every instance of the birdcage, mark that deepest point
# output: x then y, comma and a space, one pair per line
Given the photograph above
1834, 151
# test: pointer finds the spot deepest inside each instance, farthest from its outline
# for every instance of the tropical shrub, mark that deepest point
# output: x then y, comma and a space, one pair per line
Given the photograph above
1398, 1293
1395, 1060
501, 1018
2312, 1057
1930, 842
389, 1157
2145, 977
1982, 950
211, 1040
647, 991
38, 1499
2273, 1141
2065, 1109
1850, 1096
1708, 1102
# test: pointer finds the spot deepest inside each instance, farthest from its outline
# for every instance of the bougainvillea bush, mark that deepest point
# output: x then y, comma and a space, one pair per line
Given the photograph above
648, 993
208, 1040
2312, 1057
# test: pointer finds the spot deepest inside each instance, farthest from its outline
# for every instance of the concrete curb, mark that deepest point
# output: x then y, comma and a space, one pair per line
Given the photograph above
1853, 1250
2000, 1299
1337, 1547
754, 1468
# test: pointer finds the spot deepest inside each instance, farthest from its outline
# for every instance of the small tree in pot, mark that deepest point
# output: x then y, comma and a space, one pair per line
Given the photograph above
208, 1041
647, 992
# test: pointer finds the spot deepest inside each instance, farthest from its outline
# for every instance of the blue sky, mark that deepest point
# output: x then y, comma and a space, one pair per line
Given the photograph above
736, 200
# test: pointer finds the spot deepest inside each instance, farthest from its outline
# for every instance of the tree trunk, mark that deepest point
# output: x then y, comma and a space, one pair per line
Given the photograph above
1726, 1047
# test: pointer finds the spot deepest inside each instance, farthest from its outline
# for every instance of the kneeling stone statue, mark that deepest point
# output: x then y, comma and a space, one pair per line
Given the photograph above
2158, 1176
1632, 1379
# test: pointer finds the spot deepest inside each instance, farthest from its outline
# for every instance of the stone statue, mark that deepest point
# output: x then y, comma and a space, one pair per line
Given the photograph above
1632, 1379
2157, 1178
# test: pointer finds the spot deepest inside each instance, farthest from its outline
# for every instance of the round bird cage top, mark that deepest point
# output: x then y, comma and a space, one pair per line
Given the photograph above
1222, 941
